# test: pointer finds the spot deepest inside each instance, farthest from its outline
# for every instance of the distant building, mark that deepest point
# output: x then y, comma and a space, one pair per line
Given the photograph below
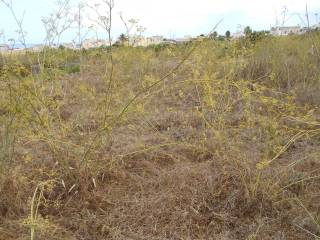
93, 43
316, 27
155, 40
136, 40
141, 41
69, 45
37, 47
287, 30
4, 48
184, 40
169, 41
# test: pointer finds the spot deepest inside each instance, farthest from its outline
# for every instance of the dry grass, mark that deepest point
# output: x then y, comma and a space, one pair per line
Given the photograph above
210, 153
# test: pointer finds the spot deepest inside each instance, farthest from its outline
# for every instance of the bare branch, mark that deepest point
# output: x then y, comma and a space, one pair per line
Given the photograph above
103, 17
129, 25
19, 21
58, 22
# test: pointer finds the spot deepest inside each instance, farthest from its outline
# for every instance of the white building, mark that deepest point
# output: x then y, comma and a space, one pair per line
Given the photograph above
93, 43
287, 30
155, 40
37, 47
316, 26
169, 41
141, 41
183, 40
69, 45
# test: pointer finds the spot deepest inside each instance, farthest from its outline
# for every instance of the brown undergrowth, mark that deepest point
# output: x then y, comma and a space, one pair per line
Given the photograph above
226, 147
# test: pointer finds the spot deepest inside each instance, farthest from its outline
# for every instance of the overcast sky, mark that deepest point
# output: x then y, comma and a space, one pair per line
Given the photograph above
171, 18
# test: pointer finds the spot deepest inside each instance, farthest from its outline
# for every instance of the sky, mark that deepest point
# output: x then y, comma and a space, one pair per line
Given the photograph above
170, 18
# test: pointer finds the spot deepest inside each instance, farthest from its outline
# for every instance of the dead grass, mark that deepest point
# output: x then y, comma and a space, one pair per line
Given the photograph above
190, 159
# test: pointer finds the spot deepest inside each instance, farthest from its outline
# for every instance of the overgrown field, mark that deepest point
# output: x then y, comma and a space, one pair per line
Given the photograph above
209, 140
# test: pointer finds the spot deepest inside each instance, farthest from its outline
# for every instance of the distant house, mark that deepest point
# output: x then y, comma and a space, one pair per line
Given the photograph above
136, 40
316, 27
177, 40
287, 30
92, 43
141, 41
69, 45
37, 47
183, 40
154, 40
169, 41
4, 48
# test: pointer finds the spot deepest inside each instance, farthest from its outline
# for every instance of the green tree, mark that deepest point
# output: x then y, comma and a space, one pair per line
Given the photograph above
258, 35
228, 34
247, 31
215, 34
123, 39
221, 38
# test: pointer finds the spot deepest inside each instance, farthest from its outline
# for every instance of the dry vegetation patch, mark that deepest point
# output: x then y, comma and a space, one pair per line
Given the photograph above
225, 147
